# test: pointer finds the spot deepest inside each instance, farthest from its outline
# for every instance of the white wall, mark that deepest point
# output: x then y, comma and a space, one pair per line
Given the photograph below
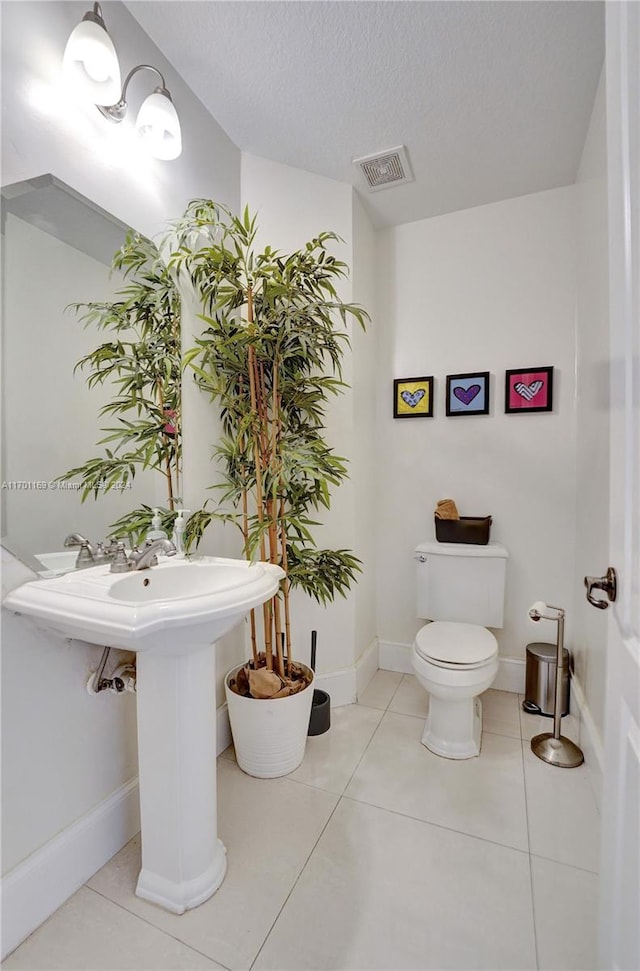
484, 289
292, 207
62, 749
364, 464
592, 437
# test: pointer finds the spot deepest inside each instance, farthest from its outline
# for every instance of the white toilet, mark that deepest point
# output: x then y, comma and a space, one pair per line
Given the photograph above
460, 588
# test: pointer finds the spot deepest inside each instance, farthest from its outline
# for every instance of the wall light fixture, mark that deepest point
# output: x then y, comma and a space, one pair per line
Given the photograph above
91, 63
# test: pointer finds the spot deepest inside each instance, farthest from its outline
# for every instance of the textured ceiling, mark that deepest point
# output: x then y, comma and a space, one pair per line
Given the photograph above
491, 99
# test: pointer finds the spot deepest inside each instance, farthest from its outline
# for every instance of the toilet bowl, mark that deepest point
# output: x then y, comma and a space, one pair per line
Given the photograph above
454, 663
460, 588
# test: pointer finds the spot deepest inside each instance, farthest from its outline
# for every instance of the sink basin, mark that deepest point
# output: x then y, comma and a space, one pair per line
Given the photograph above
145, 609
55, 563
172, 582
171, 614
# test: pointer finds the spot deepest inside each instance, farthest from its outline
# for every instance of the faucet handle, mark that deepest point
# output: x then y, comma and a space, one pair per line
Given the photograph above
101, 555
120, 563
84, 557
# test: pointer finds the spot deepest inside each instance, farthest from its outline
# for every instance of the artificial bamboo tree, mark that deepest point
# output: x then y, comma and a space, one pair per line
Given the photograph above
142, 361
270, 357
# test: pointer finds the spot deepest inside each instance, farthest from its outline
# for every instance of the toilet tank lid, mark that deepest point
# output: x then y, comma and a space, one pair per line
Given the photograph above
461, 549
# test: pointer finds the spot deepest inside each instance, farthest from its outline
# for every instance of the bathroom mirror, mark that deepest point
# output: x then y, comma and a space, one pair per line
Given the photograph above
57, 250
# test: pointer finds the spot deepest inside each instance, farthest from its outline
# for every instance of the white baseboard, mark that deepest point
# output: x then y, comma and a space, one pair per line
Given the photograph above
34, 889
343, 686
511, 675
397, 657
223, 729
589, 738
366, 666
339, 685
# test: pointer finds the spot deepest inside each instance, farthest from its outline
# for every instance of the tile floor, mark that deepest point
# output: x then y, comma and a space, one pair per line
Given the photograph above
378, 855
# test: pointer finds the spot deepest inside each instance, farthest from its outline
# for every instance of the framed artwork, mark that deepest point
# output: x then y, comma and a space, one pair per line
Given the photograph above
528, 389
413, 397
468, 394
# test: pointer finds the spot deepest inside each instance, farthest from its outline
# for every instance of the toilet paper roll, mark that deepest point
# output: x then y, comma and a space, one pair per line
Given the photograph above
540, 607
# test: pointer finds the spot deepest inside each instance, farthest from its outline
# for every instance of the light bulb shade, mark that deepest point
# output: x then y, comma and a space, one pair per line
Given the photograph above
159, 127
90, 63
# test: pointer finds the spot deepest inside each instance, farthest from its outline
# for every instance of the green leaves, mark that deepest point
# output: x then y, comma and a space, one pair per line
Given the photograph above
322, 573
270, 357
142, 363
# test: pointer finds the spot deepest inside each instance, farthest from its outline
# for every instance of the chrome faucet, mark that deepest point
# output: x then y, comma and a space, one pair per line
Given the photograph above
90, 555
76, 539
86, 556
143, 558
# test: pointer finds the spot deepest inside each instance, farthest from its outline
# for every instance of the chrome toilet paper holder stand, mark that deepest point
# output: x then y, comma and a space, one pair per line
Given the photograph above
553, 747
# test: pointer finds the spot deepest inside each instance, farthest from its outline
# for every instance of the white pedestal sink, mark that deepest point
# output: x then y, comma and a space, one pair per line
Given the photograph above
171, 615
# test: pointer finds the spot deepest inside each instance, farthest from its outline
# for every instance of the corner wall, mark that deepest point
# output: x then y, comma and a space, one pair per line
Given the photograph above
489, 288
364, 464
293, 206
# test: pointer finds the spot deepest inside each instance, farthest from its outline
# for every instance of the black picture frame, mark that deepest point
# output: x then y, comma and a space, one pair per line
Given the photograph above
413, 397
468, 394
522, 396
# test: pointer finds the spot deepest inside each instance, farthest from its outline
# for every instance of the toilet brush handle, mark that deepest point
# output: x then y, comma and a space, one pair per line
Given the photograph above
314, 638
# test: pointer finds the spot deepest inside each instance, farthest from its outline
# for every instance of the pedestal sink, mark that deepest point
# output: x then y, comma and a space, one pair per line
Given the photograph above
171, 615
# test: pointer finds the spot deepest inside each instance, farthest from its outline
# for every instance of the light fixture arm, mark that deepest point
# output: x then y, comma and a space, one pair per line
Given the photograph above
117, 111
95, 16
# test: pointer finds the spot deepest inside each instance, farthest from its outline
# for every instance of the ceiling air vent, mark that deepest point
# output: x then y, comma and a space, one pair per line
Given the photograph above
385, 169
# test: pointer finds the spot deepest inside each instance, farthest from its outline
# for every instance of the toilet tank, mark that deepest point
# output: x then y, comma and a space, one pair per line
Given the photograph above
461, 583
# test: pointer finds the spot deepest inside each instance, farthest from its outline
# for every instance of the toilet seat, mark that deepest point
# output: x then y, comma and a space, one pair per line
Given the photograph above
456, 646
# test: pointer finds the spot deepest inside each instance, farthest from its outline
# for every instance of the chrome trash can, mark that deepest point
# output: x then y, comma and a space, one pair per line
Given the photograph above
540, 679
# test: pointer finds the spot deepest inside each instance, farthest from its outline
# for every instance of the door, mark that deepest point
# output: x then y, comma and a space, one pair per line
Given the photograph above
619, 938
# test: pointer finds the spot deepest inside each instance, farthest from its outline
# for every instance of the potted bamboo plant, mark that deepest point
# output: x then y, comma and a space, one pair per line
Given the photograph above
270, 358
141, 360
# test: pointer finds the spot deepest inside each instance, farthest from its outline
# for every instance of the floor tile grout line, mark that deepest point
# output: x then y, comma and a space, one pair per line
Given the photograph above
569, 866
386, 707
397, 688
427, 822
161, 930
341, 796
295, 883
410, 714
364, 751
526, 810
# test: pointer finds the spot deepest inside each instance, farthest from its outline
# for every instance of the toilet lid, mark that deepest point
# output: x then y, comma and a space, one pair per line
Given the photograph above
455, 643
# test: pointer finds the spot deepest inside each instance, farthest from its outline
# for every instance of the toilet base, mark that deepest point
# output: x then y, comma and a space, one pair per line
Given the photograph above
453, 730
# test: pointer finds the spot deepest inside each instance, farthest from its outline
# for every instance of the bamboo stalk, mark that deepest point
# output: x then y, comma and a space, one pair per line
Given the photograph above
278, 631
285, 585
170, 499
167, 457
245, 533
273, 508
255, 407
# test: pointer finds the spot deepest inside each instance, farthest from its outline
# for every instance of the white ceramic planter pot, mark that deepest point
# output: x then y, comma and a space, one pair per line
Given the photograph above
269, 735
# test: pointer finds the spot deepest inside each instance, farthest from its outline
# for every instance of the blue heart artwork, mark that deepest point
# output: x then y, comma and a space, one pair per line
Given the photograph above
413, 398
